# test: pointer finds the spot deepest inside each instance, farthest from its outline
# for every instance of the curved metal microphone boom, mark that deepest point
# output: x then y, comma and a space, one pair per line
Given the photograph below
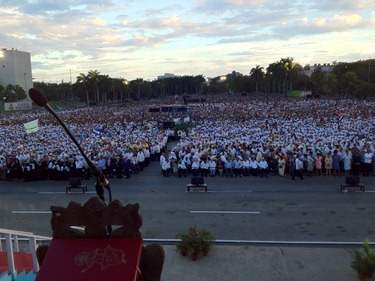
101, 181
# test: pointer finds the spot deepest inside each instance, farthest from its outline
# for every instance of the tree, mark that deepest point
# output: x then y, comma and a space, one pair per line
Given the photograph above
257, 74
332, 83
119, 86
198, 82
350, 82
83, 80
105, 86
290, 72
317, 79
2, 97
277, 75
94, 79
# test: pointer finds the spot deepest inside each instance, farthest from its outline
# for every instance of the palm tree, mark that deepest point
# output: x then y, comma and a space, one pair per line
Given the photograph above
257, 74
105, 86
117, 87
291, 71
94, 80
83, 80
276, 74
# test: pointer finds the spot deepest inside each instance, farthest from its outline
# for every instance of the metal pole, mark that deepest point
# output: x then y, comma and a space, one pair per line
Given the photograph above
9, 247
24, 74
369, 69
71, 86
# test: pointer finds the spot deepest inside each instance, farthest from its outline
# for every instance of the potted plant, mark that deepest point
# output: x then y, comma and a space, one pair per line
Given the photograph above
206, 240
364, 262
194, 245
184, 244
194, 241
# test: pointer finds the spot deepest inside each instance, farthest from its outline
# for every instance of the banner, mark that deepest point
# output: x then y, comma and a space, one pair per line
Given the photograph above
32, 126
12, 106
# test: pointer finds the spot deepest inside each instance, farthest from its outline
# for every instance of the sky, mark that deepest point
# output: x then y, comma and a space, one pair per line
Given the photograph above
146, 39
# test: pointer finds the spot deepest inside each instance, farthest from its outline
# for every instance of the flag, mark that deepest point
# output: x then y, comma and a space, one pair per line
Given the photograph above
99, 131
32, 126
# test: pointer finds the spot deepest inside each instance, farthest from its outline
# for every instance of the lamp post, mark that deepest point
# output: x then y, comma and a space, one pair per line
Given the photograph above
369, 68
71, 85
24, 75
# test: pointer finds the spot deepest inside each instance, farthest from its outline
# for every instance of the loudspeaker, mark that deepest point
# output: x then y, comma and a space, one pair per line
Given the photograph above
352, 180
197, 181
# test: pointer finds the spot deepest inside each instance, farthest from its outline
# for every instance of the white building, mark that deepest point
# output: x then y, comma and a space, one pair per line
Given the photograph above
15, 69
167, 75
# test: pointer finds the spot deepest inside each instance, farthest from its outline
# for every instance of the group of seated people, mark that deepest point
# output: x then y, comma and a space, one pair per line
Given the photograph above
231, 138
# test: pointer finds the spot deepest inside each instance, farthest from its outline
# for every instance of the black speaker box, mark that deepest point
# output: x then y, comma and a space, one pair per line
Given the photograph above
197, 181
352, 180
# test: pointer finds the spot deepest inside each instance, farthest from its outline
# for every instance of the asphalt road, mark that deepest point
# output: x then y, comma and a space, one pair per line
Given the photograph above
246, 209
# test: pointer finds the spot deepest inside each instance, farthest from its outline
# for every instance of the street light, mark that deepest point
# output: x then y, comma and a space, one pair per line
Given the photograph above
369, 51
71, 85
24, 74
369, 68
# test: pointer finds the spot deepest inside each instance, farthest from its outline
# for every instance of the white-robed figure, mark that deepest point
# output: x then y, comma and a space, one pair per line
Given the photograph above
281, 164
182, 169
166, 168
195, 166
212, 167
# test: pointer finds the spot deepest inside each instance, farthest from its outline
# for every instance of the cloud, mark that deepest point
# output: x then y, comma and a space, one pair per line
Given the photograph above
205, 36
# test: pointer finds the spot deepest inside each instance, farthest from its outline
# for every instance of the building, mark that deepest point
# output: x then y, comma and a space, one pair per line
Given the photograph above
15, 69
326, 67
167, 75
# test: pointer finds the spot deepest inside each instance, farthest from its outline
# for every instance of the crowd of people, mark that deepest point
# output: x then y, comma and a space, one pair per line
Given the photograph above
229, 137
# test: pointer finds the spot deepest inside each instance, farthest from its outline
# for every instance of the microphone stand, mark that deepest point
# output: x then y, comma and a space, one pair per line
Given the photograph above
101, 180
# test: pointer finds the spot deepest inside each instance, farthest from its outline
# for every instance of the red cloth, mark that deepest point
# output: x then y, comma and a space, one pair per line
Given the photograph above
87, 259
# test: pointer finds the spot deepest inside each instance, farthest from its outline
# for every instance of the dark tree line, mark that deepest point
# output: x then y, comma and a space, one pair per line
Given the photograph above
281, 77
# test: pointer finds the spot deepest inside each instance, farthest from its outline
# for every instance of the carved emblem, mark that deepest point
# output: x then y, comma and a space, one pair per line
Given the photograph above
107, 257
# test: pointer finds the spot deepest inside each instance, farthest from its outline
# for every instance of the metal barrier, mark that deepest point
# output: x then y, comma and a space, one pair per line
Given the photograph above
12, 239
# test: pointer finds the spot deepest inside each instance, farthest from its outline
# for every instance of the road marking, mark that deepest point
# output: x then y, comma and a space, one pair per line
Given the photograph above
230, 191
219, 191
62, 192
223, 212
31, 212
265, 242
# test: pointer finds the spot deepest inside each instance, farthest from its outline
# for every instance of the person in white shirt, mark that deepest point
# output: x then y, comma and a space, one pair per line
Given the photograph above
204, 168
162, 159
263, 168
141, 159
212, 167
166, 168
182, 169
299, 169
254, 167
246, 166
195, 166
367, 162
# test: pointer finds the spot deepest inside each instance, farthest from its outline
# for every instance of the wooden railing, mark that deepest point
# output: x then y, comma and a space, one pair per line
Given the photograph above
12, 239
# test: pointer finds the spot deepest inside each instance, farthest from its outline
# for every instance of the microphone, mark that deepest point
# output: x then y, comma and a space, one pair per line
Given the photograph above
101, 180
